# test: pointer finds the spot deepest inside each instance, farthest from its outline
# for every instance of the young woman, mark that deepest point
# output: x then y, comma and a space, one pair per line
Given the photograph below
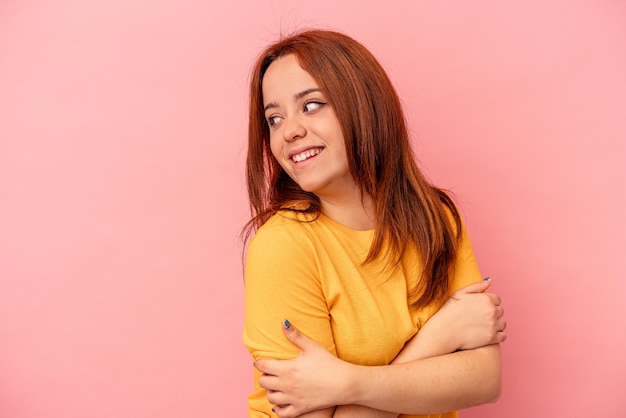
356, 249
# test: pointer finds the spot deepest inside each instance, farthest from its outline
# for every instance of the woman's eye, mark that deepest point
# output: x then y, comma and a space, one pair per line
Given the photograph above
273, 120
311, 106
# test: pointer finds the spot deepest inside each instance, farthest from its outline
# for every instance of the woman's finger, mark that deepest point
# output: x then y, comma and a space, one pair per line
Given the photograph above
495, 299
477, 287
270, 383
268, 366
296, 337
503, 325
277, 398
284, 411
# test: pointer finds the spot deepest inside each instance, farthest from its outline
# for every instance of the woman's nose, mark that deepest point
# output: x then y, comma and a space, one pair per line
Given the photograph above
293, 129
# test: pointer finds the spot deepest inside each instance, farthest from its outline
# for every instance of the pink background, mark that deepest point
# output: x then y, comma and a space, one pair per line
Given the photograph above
122, 141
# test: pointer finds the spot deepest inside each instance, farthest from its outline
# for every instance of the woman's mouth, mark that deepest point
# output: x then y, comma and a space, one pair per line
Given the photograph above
297, 158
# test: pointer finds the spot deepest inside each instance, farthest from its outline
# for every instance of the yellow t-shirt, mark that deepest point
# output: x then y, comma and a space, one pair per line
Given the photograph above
311, 272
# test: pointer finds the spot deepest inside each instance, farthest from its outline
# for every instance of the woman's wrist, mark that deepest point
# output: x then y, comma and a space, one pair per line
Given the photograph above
423, 345
356, 384
358, 381
367, 384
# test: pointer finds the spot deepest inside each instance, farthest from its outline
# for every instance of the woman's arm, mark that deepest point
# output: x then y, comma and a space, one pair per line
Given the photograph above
468, 320
433, 385
281, 281
443, 383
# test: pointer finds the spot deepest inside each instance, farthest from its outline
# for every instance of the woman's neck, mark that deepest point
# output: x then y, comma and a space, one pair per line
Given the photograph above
356, 211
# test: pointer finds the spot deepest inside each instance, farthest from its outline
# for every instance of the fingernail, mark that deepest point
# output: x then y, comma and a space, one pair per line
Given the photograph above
273, 410
487, 279
286, 323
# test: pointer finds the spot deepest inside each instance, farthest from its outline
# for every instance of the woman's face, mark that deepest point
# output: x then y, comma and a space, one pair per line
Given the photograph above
305, 134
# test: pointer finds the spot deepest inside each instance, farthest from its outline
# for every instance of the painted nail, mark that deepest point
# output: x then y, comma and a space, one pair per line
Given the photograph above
273, 410
487, 279
286, 324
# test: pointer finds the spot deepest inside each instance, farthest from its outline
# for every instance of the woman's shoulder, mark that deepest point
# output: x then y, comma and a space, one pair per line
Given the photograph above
289, 220
286, 226
283, 240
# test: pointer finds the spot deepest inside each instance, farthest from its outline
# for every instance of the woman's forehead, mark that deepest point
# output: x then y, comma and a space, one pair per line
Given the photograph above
286, 79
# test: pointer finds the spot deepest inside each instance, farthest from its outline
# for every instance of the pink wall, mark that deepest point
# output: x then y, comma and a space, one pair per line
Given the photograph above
122, 129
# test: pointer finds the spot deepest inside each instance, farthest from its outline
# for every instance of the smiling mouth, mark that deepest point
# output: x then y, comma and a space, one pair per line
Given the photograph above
305, 155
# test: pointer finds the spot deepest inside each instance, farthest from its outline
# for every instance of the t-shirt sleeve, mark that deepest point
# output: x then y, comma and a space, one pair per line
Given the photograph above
466, 269
281, 282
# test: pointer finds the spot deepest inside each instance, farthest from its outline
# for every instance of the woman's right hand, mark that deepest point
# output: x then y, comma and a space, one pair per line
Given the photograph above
470, 318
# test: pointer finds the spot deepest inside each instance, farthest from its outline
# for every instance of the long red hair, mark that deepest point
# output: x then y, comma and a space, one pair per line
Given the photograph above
408, 209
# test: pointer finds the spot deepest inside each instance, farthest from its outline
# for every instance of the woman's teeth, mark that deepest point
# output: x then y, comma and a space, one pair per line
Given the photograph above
306, 154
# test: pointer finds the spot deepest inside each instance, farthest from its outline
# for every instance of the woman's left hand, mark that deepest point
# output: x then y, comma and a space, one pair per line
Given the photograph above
313, 380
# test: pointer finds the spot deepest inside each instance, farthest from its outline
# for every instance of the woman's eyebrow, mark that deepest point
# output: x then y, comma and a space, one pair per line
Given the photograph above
270, 105
296, 97
303, 93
